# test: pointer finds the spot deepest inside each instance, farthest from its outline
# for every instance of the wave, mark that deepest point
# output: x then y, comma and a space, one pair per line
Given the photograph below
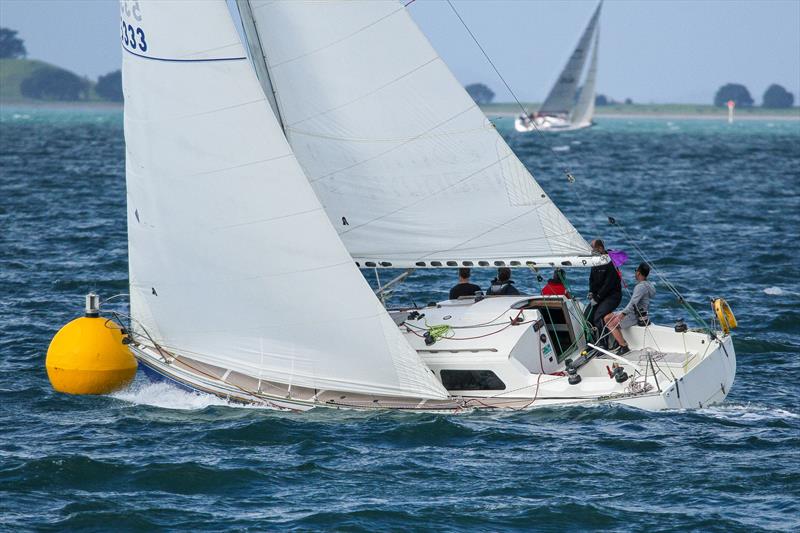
748, 413
168, 396
777, 291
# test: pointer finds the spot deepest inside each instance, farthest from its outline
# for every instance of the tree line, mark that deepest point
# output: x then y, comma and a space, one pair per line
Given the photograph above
775, 97
53, 83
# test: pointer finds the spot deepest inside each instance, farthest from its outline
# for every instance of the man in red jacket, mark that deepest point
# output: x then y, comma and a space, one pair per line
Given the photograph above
555, 285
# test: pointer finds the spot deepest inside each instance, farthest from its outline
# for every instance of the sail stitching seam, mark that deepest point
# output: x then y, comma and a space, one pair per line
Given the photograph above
338, 41
422, 134
534, 209
223, 169
192, 115
427, 197
370, 93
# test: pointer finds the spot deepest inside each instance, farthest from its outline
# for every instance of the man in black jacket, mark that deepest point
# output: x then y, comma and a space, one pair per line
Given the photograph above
605, 292
464, 287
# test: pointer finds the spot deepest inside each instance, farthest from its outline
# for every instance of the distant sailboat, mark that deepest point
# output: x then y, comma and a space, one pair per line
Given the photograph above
569, 105
258, 187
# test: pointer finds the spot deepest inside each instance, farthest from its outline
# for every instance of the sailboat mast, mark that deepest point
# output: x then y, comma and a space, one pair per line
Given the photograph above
253, 41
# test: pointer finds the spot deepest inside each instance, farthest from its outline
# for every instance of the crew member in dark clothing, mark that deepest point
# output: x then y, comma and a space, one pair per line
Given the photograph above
464, 287
605, 292
502, 284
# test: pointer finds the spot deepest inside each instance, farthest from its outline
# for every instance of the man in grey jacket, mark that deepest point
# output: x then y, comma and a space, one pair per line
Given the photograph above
636, 309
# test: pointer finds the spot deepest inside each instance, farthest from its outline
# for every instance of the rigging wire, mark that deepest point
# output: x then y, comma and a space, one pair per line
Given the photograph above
571, 178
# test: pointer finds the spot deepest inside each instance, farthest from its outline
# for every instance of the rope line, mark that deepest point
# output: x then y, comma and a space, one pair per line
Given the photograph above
571, 177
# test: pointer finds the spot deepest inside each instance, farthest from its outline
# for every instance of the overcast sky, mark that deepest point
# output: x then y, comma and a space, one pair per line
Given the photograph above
651, 51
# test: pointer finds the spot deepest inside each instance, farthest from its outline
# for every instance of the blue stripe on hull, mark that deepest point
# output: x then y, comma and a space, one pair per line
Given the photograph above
155, 376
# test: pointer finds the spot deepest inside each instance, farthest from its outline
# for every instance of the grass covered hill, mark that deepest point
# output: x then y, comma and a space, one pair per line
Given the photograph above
31, 81
13, 72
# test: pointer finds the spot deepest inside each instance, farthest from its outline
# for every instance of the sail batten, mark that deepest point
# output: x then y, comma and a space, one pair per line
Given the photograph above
232, 257
399, 155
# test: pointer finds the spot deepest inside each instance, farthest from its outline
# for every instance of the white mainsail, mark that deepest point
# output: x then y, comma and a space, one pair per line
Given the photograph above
233, 260
410, 171
584, 109
561, 98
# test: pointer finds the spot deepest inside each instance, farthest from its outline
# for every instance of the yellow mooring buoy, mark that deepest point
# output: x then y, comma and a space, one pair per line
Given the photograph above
88, 356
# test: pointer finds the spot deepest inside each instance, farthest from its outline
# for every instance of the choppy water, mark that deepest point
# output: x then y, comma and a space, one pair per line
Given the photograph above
717, 206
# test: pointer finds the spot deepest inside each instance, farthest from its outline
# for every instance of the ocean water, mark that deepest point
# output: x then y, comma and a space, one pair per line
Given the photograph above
716, 206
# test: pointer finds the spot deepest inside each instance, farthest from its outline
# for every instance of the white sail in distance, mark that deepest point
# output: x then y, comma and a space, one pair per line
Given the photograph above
561, 99
410, 171
584, 109
233, 261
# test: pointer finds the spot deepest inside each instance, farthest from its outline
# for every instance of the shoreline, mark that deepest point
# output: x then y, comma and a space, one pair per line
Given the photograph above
668, 115
494, 110
81, 105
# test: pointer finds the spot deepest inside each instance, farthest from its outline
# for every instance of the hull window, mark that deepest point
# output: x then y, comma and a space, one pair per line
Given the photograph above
471, 380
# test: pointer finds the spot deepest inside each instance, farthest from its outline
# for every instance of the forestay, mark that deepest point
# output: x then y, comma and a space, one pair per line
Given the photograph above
232, 258
562, 96
410, 171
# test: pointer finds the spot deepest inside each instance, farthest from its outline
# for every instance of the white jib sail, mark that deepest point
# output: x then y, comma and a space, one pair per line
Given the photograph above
232, 258
410, 171
561, 98
584, 109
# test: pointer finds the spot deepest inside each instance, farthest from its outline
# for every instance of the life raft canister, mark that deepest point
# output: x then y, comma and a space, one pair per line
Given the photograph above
724, 314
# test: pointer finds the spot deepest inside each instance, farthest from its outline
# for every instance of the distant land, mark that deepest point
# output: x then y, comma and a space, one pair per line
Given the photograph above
14, 71
657, 110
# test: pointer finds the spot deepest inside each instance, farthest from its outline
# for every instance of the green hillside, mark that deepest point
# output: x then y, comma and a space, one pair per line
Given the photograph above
14, 71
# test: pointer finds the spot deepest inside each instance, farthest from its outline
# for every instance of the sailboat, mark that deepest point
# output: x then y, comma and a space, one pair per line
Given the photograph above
570, 105
260, 185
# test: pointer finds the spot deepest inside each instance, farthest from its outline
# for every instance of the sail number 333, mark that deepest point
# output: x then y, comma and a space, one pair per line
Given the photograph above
133, 37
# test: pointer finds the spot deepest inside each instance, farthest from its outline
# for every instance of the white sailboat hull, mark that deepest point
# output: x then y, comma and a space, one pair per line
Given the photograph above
667, 370
548, 124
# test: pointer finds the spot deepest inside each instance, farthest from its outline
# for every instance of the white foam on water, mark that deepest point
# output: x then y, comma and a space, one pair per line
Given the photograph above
774, 291
750, 413
167, 396
564, 148
576, 143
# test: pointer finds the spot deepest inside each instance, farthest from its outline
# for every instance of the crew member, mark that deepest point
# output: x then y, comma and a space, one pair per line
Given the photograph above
605, 292
464, 287
555, 285
636, 310
502, 285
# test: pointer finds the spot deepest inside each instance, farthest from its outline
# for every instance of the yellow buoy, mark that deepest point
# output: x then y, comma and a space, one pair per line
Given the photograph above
88, 356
